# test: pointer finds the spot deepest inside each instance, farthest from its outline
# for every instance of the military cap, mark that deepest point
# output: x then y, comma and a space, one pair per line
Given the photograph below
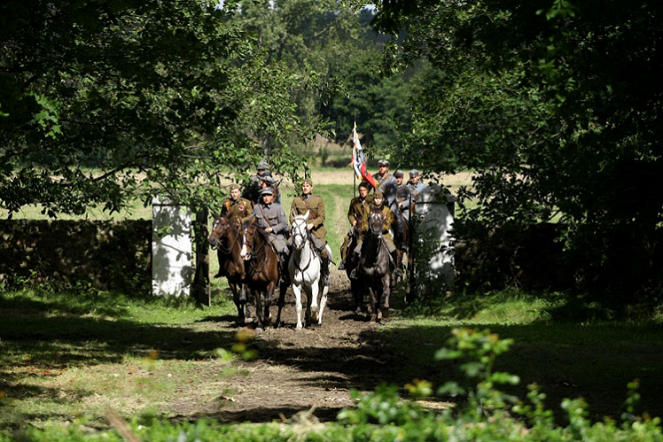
234, 186
308, 181
268, 179
263, 165
398, 174
383, 163
365, 185
266, 191
378, 194
414, 172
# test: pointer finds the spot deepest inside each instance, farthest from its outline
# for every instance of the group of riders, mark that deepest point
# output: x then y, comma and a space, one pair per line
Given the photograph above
261, 202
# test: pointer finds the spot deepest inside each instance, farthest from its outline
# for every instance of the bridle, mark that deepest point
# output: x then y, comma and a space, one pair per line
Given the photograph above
299, 238
247, 240
223, 228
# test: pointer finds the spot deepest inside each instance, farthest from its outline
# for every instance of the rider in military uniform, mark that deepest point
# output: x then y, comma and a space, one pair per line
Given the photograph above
387, 219
386, 183
315, 224
271, 218
237, 208
268, 180
358, 206
252, 189
415, 186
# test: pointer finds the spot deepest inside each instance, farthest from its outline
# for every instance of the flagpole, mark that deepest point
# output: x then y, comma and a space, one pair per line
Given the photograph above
354, 175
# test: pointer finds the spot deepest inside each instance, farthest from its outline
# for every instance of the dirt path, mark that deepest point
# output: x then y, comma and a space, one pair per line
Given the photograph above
313, 369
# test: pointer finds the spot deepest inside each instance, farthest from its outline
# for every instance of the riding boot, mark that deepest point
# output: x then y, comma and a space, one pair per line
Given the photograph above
324, 271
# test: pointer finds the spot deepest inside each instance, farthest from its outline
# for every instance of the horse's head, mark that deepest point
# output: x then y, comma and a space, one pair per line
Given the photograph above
298, 230
248, 228
219, 231
375, 221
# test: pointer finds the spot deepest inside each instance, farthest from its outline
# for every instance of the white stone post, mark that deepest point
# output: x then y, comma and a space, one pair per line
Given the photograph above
432, 243
172, 249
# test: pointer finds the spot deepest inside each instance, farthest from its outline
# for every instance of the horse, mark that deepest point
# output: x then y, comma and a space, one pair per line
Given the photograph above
305, 268
262, 272
374, 266
356, 286
226, 238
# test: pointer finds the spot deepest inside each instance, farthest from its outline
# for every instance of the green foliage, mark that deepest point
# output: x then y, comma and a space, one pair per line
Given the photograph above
528, 94
155, 94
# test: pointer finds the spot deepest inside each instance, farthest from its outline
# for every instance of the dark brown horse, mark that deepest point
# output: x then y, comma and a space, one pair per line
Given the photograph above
374, 268
356, 286
262, 272
227, 239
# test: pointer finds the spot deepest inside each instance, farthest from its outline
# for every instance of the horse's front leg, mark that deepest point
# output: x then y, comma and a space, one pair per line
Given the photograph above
372, 304
269, 296
240, 305
257, 294
386, 294
297, 290
323, 302
313, 309
283, 288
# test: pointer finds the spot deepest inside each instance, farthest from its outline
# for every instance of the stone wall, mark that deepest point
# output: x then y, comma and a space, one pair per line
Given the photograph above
108, 255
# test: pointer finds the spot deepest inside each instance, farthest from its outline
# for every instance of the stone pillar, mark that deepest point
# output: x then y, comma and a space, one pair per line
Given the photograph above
172, 249
432, 249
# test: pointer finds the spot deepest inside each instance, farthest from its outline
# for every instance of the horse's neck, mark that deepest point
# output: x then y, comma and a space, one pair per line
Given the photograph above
305, 254
373, 244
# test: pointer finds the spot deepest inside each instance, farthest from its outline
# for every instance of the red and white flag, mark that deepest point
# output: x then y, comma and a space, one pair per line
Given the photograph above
359, 159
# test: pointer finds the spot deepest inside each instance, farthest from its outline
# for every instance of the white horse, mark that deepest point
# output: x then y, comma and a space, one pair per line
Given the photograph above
304, 268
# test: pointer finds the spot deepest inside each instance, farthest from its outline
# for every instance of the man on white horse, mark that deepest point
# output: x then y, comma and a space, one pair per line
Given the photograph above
308, 202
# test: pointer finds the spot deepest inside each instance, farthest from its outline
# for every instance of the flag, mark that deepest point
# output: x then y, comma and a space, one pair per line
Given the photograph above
359, 159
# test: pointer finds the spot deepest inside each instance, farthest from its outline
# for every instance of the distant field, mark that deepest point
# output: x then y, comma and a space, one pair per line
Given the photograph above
321, 179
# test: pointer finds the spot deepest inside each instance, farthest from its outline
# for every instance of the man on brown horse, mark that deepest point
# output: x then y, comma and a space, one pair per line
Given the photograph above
270, 217
359, 206
387, 217
236, 208
308, 202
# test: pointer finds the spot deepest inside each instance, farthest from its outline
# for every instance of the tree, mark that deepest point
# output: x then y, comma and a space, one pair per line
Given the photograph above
555, 104
155, 95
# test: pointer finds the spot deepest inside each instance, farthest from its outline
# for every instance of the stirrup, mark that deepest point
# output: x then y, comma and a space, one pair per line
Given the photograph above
353, 274
341, 266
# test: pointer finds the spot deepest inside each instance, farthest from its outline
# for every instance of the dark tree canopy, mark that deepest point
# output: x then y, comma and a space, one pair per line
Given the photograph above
165, 90
556, 105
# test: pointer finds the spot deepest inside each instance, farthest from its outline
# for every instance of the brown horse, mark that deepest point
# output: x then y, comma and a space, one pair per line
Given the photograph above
356, 286
374, 266
227, 239
262, 272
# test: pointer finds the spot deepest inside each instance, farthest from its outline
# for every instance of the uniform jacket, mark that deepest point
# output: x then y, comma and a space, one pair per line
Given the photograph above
237, 210
271, 215
416, 188
316, 208
358, 207
387, 185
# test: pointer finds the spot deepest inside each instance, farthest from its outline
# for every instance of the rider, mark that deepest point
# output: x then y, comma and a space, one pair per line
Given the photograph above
358, 205
268, 180
271, 218
252, 190
415, 186
237, 208
315, 224
386, 182
387, 219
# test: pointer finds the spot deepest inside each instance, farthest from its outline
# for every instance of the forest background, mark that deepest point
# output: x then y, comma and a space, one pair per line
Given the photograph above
553, 105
